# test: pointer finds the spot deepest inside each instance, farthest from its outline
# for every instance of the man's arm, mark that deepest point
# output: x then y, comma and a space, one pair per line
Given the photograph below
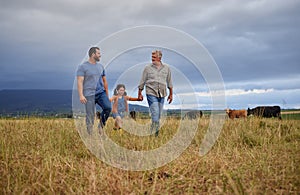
134, 99
170, 86
105, 85
140, 96
80, 80
142, 84
170, 97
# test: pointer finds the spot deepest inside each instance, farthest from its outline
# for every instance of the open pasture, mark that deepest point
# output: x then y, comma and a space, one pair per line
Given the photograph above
252, 156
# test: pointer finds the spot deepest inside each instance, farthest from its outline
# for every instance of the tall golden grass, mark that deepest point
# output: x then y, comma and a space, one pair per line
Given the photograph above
252, 156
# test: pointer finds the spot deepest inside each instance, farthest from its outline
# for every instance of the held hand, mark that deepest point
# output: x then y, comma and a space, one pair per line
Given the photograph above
170, 99
83, 100
140, 97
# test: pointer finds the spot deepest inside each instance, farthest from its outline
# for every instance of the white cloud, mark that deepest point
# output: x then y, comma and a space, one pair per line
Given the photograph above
239, 99
230, 92
234, 92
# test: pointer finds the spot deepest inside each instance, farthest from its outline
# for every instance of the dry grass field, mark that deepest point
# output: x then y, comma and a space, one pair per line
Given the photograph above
252, 156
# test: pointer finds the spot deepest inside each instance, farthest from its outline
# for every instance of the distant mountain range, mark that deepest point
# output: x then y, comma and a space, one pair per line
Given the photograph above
46, 102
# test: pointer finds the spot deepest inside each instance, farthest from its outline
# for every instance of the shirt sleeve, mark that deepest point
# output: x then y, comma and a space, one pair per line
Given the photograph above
143, 79
169, 79
80, 71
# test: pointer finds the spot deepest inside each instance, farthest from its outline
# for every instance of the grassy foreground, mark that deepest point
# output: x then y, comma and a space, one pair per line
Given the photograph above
253, 156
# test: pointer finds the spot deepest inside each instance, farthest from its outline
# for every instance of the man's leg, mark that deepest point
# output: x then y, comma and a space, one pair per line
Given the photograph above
160, 108
90, 113
103, 101
154, 106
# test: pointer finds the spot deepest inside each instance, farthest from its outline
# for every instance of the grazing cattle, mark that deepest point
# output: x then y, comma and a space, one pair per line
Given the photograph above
265, 111
133, 114
236, 113
193, 114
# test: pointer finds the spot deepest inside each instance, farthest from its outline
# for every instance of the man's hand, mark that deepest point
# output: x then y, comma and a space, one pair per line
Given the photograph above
83, 100
170, 98
140, 98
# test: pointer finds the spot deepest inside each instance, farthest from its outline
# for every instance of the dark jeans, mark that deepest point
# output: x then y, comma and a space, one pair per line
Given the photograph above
102, 100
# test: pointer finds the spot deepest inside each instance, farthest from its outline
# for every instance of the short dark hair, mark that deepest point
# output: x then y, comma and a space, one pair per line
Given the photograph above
93, 50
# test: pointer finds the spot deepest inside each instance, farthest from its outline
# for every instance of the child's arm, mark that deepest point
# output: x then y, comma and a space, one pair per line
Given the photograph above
133, 99
128, 98
112, 98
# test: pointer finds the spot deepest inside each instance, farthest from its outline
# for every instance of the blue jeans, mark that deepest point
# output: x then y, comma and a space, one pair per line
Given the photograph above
102, 100
156, 105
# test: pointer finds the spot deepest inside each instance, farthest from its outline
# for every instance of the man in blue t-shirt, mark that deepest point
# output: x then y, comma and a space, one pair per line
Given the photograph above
93, 89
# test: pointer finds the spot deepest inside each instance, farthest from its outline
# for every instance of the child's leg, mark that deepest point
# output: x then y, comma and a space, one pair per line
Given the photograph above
118, 122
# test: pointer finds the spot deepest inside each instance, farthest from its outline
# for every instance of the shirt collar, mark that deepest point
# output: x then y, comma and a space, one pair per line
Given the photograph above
162, 65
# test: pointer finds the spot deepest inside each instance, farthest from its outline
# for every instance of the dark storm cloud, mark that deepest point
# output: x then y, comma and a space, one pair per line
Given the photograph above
255, 43
256, 40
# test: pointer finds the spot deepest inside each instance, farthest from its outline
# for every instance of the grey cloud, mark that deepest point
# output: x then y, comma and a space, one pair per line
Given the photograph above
251, 41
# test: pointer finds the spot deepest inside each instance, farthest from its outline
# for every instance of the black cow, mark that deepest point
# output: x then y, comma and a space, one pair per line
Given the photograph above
133, 114
265, 111
193, 114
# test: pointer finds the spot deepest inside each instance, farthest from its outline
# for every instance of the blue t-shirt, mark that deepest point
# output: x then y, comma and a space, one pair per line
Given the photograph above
92, 73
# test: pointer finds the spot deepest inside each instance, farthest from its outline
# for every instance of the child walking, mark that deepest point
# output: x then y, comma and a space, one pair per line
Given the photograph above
120, 105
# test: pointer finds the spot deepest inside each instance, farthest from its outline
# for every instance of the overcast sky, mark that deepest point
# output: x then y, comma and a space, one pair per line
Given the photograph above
255, 44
